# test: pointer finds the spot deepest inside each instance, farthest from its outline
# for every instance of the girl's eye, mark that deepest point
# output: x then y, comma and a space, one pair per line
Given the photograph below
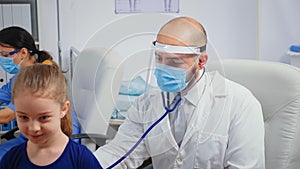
44, 117
23, 117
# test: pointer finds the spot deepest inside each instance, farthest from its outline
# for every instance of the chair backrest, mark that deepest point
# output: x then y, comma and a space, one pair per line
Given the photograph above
96, 81
277, 87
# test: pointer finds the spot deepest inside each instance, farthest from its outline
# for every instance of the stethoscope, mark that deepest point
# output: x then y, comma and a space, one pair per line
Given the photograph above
169, 109
177, 99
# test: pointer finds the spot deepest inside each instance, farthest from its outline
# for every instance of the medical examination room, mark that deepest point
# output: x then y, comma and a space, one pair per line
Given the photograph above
149, 84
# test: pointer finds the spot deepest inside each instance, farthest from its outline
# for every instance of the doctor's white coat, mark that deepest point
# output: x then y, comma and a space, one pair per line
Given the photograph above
225, 128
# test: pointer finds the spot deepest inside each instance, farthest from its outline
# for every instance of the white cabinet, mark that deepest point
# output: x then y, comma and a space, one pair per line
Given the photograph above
17, 14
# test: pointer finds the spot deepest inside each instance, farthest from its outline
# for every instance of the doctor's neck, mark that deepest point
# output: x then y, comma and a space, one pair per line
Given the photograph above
198, 75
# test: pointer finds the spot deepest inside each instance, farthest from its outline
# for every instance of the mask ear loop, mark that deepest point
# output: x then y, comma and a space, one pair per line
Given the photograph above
187, 88
22, 60
194, 75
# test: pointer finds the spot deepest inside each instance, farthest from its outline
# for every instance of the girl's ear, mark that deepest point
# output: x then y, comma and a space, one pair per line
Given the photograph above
202, 60
65, 109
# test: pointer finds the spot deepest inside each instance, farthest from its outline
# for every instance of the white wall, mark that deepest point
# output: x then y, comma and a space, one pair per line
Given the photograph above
238, 29
47, 24
280, 27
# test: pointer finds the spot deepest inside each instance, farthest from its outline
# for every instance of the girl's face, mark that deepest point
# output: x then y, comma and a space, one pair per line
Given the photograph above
39, 118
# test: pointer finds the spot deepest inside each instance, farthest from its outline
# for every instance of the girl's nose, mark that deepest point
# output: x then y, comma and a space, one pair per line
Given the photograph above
34, 126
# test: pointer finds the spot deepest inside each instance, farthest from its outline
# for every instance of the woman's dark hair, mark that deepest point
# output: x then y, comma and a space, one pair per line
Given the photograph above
19, 38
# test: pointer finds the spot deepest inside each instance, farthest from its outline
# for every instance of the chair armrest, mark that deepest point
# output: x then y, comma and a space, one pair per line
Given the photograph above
9, 134
99, 139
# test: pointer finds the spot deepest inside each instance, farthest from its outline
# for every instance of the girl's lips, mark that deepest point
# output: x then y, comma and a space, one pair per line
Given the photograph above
36, 136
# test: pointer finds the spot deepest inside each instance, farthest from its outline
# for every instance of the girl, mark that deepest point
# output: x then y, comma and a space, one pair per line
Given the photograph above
18, 50
43, 115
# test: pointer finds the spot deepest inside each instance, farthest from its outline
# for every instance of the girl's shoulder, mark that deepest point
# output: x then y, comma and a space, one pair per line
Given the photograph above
82, 155
17, 153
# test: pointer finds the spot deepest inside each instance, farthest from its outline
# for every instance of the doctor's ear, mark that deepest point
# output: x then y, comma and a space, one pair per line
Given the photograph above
202, 60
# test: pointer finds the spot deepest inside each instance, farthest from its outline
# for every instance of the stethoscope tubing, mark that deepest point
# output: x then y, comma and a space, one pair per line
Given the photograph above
168, 110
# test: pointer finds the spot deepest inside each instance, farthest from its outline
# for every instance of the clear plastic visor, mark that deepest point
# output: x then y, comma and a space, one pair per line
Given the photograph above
183, 61
176, 56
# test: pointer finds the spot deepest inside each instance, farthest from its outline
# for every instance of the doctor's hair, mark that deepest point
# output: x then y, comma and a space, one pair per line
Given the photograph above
18, 38
45, 81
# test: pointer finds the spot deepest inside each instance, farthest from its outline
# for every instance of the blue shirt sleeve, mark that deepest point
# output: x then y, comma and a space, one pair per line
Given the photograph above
87, 159
11, 106
5, 91
76, 128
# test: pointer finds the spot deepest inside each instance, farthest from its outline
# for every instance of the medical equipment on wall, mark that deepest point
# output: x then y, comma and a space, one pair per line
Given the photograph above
294, 54
145, 6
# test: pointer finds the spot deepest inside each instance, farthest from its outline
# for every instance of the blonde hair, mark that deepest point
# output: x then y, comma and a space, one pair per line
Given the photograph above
45, 81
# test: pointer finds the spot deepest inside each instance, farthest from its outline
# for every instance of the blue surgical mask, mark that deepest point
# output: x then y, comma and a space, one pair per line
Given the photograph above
170, 79
8, 65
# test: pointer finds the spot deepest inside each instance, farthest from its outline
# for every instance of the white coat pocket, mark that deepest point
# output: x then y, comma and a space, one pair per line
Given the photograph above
210, 151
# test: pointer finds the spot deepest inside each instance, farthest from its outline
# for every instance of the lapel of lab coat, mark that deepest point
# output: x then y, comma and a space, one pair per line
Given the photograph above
166, 127
211, 102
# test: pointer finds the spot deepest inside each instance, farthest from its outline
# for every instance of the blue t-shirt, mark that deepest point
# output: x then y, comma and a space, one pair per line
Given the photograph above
75, 156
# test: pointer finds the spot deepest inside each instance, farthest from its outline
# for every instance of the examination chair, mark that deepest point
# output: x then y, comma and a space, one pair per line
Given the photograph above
277, 87
95, 84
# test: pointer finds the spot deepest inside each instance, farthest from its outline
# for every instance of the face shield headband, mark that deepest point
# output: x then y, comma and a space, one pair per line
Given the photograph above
159, 47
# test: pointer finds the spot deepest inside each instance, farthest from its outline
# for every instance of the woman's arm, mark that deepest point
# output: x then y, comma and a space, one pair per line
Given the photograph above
6, 115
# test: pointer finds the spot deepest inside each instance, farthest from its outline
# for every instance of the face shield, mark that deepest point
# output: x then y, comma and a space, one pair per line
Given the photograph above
175, 67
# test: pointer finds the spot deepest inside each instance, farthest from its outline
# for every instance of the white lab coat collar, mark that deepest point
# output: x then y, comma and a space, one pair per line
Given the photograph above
213, 79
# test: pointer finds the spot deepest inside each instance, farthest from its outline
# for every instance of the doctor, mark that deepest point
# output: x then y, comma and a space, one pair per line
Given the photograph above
217, 123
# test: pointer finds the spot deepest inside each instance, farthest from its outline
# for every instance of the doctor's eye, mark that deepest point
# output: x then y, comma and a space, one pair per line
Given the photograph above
176, 62
158, 58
